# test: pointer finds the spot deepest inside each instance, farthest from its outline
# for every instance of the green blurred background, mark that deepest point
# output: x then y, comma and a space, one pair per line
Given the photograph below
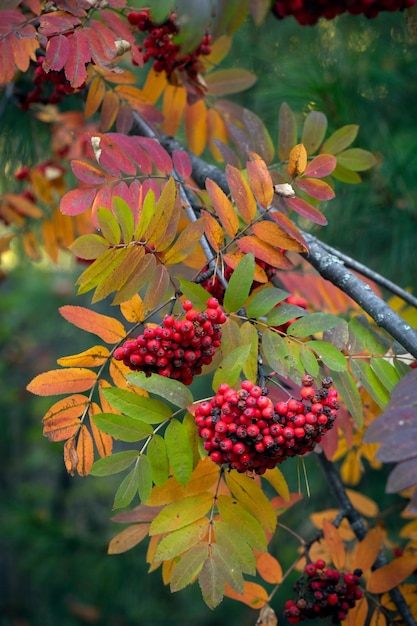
54, 529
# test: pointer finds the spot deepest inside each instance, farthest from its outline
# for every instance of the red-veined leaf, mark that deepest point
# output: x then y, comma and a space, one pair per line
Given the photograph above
287, 135
107, 328
56, 53
241, 193
77, 201
264, 251
322, 165
55, 22
314, 129
228, 81
223, 208
79, 55
260, 179
307, 210
56, 382
272, 233
316, 188
102, 45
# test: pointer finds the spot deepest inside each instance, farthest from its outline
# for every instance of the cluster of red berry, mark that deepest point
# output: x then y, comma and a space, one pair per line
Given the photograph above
49, 87
213, 285
307, 12
243, 429
177, 348
323, 593
160, 45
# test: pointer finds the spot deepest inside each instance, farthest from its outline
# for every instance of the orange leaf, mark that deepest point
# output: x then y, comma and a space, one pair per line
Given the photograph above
133, 309
185, 243
272, 233
363, 504
368, 549
56, 382
268, 567
61, 426
109, 110
70, 456
334, 543
378, 618
213, 231
175, 98
216, 130
73, 406
234, 259
358, 614
107, 328
260, 179
50, 241
297, 161
85, 451
264, 252
103, 441
93, 357
253, 594
223, 208
391, 575
95, 96
241, 193
195, 122
128, 538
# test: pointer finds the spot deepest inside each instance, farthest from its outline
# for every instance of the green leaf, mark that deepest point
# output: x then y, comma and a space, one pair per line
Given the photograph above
100, 269
386, 372
370, 381
124, 215
287, 134
346, 176
148, 209
228, 539
181, 513
231, 337
314, 323
180, 453
309, 361
172, 390
89, 247
367, 336
109, 227
158, 459
117, 462
250, 337
329, 355
314, 129
356, 159
145, 409
229, 369
240, 284
265, 300
187, 570
349, 392
127, 489
122, 427
144, 483
340, 139
285, 313
243, 522
275, 351
211, 583
194, 292
228, 567
181, 540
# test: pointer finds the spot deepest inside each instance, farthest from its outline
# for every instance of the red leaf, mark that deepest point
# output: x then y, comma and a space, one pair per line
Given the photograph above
7, 66
125, 151
136, 152
316, 188
77, 201
79, 55
102, 43
182, 163
305, 209
158, 154
87, 173
321, 166
56, 55
57, 22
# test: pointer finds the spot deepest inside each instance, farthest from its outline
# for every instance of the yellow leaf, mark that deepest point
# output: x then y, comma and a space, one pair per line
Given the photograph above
107, 328
253, 595
175, 98
253, 499
276, 478
128, 538
272, 233
167, 569
93, 357
363, 504
133, 310
31, 246
223, 208
351, 471
269, 568
264, 251
330, 514
185, 243
56, 382
49, 240
155, 84
85, 451
297, 160
195, 121
368, 549
391, 575
234, 259
203, 477
181, 513
95, 96
216, 130
334, 543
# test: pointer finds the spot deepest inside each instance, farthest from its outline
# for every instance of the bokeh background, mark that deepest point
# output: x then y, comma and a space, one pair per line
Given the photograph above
54, 529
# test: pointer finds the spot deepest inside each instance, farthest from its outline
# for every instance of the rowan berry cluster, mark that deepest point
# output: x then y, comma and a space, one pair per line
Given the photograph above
246, 431
49, 87
323, 593
177, 348
161, 46
307, 12
215, 287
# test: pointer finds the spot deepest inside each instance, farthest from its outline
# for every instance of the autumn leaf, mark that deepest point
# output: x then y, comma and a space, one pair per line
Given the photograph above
85, 451
297, 160
223, 208
391, 575
128, 538
56, 382
260, 180
254, 595
334, 543
107, 328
